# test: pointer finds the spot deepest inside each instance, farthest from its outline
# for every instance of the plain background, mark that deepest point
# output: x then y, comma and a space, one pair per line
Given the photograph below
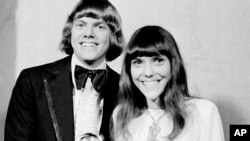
213, 37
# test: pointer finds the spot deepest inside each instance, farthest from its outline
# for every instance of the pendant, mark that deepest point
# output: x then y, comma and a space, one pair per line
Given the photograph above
154, 130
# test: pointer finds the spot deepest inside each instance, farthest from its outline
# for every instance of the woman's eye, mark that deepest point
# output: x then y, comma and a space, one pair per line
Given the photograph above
136, 62
159, 61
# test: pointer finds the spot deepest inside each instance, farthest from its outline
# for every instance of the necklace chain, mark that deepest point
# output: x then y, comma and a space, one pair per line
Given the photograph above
154, 129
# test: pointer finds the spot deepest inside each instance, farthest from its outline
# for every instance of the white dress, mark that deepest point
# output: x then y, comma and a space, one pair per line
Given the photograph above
202, 124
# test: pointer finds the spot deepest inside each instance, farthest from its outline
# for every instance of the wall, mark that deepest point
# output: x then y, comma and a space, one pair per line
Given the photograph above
212, 36
7, 56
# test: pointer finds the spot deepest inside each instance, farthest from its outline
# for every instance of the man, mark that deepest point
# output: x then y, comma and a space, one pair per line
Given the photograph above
46, 101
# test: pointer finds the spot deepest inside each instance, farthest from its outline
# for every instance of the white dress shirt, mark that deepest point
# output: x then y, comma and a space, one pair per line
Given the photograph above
87, 98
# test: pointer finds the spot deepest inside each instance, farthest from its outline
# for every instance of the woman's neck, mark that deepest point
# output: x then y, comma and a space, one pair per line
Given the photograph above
154, 105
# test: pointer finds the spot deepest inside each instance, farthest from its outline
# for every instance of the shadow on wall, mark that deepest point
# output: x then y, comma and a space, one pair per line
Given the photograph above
230, 114
7, 56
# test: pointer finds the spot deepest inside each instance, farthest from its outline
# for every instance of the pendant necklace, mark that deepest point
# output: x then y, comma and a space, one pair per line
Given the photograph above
154, 128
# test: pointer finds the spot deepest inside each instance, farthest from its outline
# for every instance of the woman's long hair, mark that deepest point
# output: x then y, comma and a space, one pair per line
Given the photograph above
98, 9
151, 41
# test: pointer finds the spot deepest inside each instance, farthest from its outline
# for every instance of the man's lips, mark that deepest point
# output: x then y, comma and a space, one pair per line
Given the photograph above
88, 44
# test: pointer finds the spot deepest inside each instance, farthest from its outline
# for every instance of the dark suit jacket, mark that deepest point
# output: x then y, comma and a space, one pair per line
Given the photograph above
41, 105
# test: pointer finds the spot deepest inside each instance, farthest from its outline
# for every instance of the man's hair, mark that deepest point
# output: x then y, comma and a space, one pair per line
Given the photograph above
98, 9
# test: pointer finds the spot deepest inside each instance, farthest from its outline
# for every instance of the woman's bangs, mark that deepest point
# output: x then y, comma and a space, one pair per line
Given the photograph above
147, 51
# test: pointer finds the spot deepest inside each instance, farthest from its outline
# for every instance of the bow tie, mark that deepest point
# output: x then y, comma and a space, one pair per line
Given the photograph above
98, 78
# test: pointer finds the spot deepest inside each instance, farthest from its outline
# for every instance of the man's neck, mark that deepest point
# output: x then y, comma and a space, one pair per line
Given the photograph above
92, 64
97, 64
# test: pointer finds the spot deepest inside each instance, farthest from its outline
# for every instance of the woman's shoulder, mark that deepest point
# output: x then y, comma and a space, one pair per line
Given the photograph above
206, 117
202, 107
201, 103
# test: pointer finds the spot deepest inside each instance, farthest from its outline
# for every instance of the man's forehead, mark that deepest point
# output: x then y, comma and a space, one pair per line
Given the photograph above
90, 19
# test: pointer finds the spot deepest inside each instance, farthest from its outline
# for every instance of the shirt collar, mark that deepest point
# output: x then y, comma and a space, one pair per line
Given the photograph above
75, 61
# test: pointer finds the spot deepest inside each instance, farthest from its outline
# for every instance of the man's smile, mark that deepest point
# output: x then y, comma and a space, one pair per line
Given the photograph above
88, 44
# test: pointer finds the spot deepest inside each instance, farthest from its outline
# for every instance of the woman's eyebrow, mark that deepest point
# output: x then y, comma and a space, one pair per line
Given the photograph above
157, 56
137, 58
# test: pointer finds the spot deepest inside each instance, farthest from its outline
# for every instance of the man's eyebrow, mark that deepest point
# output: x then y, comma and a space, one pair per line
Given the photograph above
100, 22
95, 23
79, 20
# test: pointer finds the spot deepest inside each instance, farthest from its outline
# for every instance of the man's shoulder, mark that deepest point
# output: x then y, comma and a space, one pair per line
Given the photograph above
113, 75
48, 66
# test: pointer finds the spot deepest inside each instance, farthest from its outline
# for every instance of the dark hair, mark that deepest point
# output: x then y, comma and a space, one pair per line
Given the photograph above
152, 41
99, 9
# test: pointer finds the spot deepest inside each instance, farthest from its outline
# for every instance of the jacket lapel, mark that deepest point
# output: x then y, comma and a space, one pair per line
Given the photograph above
109, 94
59, 91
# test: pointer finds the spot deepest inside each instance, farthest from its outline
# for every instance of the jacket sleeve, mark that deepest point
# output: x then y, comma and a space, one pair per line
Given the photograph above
20, 122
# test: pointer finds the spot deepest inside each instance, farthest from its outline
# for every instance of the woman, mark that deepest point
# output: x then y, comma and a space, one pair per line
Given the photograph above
154, 102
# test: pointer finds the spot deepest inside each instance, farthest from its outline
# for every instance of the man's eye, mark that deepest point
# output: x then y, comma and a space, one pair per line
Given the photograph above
79, 25
102, 26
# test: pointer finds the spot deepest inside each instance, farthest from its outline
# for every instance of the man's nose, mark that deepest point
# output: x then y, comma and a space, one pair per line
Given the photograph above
89, 32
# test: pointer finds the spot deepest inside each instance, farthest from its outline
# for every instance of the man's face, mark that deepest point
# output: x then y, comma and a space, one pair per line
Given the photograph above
90, 39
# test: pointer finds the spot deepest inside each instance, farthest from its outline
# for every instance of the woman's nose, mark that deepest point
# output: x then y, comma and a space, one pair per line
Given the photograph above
148, 71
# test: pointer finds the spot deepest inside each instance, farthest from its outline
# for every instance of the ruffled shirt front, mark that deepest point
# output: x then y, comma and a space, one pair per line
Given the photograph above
87, 110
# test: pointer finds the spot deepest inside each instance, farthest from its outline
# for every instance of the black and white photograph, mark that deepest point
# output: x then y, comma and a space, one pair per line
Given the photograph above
124, 70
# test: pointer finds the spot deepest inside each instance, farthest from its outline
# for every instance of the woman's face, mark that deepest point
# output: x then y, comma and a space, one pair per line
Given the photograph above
150, 75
